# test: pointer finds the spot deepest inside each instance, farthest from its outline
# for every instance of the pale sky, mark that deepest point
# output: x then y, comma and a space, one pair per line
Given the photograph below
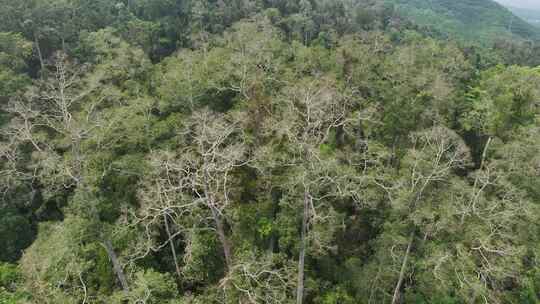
531, 4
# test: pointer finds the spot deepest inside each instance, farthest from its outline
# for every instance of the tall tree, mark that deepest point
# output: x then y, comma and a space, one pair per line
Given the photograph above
306, 115
200, 174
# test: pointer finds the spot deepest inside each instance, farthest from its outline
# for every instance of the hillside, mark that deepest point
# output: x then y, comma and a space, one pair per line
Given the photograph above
524, 4
481, 20
530, 15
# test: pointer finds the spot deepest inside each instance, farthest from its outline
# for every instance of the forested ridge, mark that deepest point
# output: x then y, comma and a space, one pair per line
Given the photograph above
481, 20
530, 15
263, 151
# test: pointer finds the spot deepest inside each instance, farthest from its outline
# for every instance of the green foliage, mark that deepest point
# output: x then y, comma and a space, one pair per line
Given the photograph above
11, 298
169, 151
10, 289
265, 227
151, 287
203, 263
14, 52
337, 297
17, 233
503, 100
9, 275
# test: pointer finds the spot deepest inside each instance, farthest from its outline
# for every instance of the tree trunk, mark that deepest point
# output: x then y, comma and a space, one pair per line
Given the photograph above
273, 242
395, 159
220, 228
340, 137
116, 265
40, 55
171, 243
397, 291
302, 255
222, 237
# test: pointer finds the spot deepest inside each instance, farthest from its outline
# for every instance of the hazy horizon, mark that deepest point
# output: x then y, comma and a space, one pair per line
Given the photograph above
528, 4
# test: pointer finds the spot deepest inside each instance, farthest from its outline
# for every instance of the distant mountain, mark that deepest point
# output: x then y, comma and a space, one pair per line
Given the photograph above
526, 4
483, 21
530, 15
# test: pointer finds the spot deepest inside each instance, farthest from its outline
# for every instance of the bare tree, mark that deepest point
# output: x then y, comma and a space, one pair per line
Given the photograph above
57, 105
308, 113
10, 173
260, 280
432, 159
59, 108
198, 174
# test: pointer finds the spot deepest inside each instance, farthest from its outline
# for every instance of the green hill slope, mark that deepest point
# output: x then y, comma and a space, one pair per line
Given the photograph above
530, 15
478, 20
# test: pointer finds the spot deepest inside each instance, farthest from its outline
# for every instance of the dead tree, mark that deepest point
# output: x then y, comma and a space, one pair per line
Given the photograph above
434, 156
199, 174
306, 115
60, 105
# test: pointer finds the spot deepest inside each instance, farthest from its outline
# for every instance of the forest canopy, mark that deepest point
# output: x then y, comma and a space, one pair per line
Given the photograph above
264, 151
